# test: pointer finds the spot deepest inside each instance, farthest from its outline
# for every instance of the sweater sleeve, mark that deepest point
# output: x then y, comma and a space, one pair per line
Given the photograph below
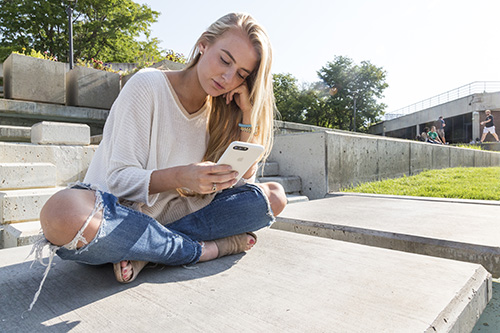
129, 140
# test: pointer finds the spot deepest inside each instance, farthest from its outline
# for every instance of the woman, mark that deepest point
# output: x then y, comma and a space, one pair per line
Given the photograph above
153, 192
433, 136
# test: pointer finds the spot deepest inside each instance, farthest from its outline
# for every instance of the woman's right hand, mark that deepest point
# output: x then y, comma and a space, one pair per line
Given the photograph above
204, 177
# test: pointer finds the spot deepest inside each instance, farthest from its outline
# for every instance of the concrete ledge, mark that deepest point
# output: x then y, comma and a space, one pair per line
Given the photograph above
20, 234
23, 205
291, 184
453, 230
53, 133
288, 283
21, 113
71, 161
27, 175
15, 133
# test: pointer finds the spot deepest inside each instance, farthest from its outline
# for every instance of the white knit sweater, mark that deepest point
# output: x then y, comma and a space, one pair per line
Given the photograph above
148, 129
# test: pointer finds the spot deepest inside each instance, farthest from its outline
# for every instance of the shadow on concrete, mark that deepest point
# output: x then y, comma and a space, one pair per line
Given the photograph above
71, 286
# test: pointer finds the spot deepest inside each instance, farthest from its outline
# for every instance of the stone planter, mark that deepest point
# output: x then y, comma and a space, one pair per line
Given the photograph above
32, 79
162, 65
93, 88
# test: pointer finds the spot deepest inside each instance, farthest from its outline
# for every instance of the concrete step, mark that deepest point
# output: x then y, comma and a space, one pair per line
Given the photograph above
20, 234
27, 175
290, 183
446, 228
294, 198
23, 205
15, 133
268, 169
289, 283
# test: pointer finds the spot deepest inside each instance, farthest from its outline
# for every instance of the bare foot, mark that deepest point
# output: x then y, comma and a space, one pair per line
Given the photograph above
126, 270
210, 251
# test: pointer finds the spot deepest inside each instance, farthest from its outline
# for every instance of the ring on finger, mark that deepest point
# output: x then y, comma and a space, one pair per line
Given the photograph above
214, 187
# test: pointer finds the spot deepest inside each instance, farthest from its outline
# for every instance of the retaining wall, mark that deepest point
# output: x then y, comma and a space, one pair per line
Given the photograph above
328, 161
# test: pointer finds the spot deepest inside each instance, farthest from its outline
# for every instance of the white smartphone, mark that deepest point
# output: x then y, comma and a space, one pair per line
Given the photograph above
240, 156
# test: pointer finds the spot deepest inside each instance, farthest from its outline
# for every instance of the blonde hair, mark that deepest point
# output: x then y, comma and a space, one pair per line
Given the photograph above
224, 119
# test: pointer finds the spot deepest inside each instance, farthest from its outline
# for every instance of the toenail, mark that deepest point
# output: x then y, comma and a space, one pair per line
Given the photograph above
252, 241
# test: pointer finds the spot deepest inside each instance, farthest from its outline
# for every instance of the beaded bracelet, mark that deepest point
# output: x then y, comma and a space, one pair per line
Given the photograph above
247, 128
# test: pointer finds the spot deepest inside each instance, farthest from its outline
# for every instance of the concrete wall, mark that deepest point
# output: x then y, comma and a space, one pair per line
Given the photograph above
328, 161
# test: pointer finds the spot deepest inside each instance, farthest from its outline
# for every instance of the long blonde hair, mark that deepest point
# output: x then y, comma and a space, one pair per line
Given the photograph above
223, 119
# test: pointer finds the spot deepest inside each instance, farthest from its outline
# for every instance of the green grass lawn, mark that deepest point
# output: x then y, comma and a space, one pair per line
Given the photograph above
462, 183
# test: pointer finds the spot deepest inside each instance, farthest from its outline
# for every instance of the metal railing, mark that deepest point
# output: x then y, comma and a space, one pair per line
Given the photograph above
467, 90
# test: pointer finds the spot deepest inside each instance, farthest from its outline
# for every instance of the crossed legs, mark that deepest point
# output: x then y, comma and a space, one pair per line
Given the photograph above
65, 213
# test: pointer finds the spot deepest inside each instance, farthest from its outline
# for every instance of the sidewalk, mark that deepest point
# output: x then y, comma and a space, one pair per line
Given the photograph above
466, 230
288, 283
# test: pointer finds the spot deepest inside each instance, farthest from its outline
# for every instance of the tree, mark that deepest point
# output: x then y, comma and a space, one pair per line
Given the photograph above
287, 95
107, 30
350, 84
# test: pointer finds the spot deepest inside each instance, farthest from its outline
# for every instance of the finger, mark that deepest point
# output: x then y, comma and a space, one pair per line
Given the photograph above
217, 169
225, 185
223, 177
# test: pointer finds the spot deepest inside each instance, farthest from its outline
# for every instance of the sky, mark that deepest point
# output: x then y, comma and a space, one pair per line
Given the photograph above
426, 47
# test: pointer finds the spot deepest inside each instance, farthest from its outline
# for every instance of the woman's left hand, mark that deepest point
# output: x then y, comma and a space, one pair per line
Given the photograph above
241, 96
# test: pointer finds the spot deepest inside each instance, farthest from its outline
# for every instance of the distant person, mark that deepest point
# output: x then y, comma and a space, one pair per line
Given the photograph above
433, 136
441, 124
489, 127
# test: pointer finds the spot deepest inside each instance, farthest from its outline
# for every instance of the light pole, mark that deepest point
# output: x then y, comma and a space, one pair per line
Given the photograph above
333, 91
354, 114
69, 11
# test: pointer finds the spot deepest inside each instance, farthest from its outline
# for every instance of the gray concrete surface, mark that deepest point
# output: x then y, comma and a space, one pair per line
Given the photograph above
287, 283
489, 322
466, 230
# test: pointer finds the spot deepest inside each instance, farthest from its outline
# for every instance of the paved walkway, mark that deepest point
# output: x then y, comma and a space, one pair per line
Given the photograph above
288, 283
466, 230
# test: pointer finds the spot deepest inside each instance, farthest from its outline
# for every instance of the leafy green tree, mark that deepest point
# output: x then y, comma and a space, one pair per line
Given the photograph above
330, 102
288, 97
107, 30
348, 83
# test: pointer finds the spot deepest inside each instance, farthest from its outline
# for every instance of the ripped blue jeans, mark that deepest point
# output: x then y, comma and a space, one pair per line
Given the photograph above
126, 234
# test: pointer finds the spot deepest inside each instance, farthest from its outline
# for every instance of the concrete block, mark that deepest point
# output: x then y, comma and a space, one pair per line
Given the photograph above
71, 161
27, 175
294, 198
89, 87
393, 158
268, 169
440, 156
495, 159
60, 133
461, 157
15, 133
420, 157
357, 158
31, 79
289, 283
23, 205
21, 234
463, 230
22, 113
290, 183
303, 155
482, 158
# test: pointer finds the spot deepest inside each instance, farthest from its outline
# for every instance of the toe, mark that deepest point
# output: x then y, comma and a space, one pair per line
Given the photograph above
250, 242
126, 270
